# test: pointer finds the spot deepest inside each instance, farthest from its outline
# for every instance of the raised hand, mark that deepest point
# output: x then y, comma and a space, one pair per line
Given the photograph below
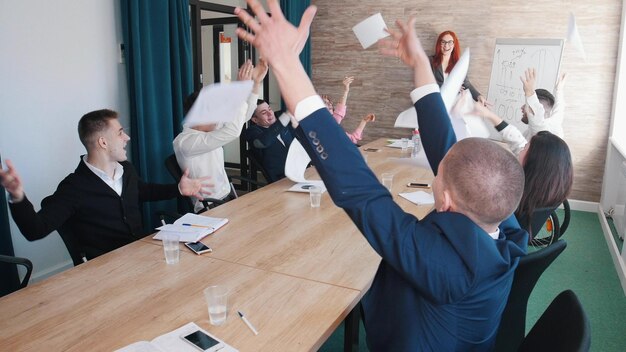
274, 36
369, 118
528, 81
403, 43
245, 71
194, 187
260, 71
279, 43
347, 82
11, 181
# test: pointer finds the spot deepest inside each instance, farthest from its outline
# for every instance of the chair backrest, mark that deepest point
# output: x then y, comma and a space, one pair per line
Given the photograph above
171, 164
563, 326
527, 273
566, 217
256, 165
19, 261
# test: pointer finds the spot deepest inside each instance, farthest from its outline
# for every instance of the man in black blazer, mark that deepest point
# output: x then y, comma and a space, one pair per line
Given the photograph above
269, 139
444, 280
100, 202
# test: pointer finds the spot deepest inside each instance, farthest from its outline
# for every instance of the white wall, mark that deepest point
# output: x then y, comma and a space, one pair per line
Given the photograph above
58, 60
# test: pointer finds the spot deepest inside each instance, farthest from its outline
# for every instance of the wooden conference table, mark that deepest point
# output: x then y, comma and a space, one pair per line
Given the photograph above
296, 271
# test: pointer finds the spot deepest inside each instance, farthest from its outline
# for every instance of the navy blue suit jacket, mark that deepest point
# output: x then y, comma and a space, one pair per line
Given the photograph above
443, 282
268, 149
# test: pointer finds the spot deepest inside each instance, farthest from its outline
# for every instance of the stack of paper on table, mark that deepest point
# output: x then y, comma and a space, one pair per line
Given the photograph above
419, 197
397, 143
173, 342
191, 227
307, 185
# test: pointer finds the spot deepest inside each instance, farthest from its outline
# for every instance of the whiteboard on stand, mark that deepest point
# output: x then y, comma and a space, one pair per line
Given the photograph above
511, 58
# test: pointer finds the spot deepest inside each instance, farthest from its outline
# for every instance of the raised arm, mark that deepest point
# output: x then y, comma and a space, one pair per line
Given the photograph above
394, 234
510, 134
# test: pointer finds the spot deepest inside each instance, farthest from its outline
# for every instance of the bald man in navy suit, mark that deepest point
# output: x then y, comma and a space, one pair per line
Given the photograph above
444, 280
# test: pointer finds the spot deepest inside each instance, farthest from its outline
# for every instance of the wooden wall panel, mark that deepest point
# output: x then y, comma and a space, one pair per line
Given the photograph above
383, 84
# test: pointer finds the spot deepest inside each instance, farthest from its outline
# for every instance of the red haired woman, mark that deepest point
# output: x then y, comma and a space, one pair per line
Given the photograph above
447, 53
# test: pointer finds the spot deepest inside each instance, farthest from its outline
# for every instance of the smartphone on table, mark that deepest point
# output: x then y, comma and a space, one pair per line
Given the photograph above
203, 342
198, 247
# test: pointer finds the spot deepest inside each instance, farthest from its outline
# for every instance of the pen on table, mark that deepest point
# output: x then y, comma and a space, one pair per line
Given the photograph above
248, 323
194, 225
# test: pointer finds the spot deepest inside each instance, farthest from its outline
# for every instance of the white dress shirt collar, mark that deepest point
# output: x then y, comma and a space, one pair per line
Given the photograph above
115, 182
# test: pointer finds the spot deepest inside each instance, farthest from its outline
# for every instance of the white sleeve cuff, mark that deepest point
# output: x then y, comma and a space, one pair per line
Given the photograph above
307, 106
284, 118
420, 92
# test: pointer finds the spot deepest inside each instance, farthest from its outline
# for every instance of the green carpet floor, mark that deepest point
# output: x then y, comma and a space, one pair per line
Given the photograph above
586, 268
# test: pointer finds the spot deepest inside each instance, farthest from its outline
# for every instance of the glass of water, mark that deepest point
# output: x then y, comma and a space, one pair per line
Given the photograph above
217, 301
171, 248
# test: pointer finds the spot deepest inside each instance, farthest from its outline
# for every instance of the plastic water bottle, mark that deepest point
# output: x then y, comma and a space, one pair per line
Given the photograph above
417, 145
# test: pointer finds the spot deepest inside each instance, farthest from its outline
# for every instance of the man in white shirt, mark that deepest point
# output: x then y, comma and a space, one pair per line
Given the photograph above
200, 148
542, 112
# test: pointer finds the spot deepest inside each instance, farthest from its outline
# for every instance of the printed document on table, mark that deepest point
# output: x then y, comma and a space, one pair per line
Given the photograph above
419, 197
197, 227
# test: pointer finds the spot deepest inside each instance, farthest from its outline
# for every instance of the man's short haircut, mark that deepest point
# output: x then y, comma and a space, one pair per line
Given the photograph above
188, 103
92, 123
485, 179
258, 102
545, 95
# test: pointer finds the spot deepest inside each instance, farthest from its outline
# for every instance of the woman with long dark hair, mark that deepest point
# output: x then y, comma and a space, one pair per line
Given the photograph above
547, 162
447, 53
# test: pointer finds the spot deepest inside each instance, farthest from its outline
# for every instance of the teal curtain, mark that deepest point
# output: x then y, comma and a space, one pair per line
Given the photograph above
157, 39
9, 279
293, 10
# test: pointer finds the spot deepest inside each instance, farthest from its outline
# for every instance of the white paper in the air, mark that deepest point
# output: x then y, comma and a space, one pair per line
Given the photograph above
370, 30
452, 84
407, 119
573, 36
218, 103
297, 161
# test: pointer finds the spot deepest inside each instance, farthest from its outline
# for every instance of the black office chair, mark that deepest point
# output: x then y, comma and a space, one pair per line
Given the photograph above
554, 230
563, 326
19, 261
527, 273
257, 165
171, 164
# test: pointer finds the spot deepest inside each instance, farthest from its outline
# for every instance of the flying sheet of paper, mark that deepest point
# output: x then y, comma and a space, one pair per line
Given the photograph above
297, 161
218, 103
464, 122
452, 84
407, 119
573, 36
370, 30
419, 197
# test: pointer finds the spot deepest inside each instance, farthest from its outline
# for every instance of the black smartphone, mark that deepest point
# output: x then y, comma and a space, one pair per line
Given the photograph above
202, 341
372, 149
198, 247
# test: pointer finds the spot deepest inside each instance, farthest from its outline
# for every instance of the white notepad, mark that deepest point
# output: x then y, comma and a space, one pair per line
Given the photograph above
191, 227
173, 342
